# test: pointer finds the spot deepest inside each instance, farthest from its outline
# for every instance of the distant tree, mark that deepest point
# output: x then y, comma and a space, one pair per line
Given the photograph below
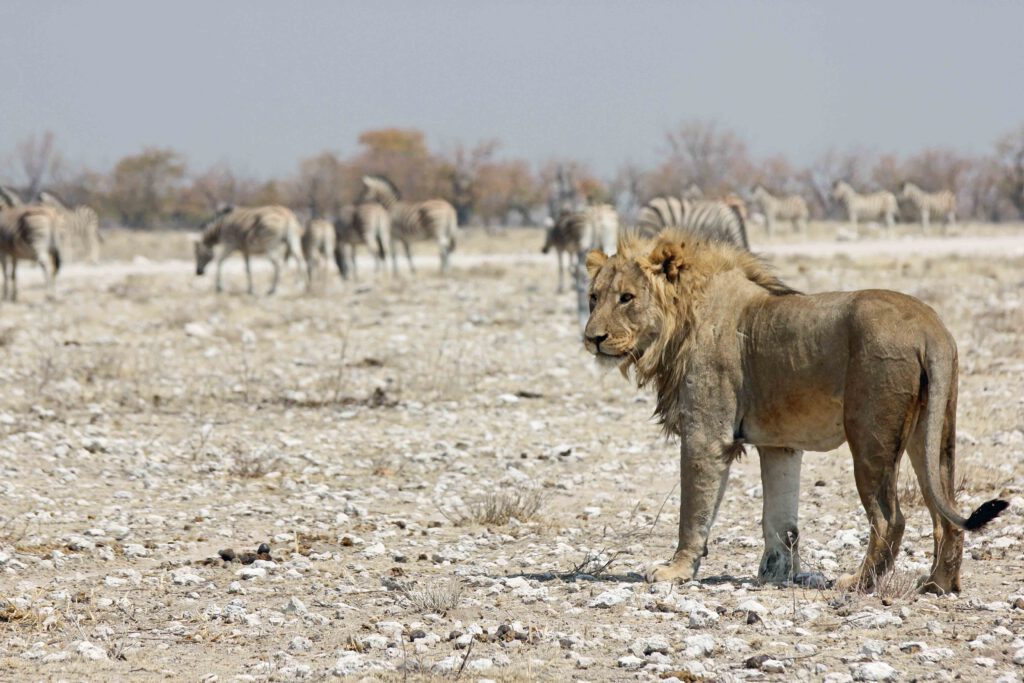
39, 162
325, 183
142, 185
463, 169
507, 188
402, 155
777, 175
715, 159
1010, 161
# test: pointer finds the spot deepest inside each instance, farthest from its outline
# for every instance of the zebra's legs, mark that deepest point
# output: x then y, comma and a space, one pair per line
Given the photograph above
3, 262
561, 284
800, 225
274, 261
769, 223
49, 275
889, 220
353, 262
408, 255
248, 272
394, 258
950, 221
14, 278
925, 219
220, 267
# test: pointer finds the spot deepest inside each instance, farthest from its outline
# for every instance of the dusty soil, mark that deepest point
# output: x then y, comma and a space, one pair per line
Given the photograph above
371, 435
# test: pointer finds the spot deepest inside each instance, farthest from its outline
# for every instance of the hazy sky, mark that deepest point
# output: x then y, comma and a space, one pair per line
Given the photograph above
259, 85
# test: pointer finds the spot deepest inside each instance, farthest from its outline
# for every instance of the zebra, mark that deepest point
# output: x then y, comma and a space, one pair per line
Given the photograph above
789, 208
318, 245
30, 232
874, 205
366, 223
941, 203
577, 232
270, 230
722, 220
434, 218
79, 226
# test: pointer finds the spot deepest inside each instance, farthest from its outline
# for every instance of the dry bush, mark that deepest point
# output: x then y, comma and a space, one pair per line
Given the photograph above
434, 598
252, 464
501, 507
909, 491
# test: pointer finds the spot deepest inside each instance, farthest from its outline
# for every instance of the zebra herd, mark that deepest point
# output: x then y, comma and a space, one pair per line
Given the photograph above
36, 231
381, 221
594, 227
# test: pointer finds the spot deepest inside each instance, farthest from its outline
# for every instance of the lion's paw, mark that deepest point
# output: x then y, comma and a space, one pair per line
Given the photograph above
665, 572
848, 582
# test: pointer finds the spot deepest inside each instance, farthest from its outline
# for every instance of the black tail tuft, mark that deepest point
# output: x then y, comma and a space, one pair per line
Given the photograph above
985, 513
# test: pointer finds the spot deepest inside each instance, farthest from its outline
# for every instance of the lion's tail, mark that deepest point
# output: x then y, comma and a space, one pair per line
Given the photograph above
939, 376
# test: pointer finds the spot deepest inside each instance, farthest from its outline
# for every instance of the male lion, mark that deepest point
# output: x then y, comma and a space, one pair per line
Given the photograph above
737, 357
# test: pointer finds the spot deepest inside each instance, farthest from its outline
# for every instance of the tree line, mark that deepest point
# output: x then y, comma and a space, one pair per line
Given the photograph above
156, 187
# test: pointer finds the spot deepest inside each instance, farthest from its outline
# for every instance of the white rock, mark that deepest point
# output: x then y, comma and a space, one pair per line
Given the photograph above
702, 617
300, 644
186, 577
631, 663
249, 573
645, 646
295, 606
699, 646
374, 550
611, 598
198, 330
874, 671
87, 650
348, 664
1018, 657
752, 606
135, 550
773, 666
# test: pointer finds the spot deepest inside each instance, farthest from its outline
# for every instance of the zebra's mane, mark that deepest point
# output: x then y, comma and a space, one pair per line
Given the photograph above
52, 199
9, 197
383, 183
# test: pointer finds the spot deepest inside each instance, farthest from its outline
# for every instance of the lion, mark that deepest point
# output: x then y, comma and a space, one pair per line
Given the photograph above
737, 358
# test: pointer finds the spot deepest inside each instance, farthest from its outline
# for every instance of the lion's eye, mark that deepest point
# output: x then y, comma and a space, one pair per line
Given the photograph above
593, 302
625, 298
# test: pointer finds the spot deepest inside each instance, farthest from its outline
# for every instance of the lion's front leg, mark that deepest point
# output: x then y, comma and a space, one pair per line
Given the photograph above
780, 485
704, 472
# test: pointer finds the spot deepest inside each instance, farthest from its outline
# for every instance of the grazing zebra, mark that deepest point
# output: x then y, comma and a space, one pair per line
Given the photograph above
870, 206
577, 232
317, 247
720, 220
79, 226
941, 203
28, 232
789, 208
270, 230
433, 218
366, 223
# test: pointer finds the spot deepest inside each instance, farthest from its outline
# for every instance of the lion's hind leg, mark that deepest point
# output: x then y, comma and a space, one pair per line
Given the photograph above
947, 538
877, 433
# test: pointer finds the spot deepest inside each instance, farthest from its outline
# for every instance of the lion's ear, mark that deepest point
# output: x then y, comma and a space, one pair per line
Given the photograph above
595, 259
667, 259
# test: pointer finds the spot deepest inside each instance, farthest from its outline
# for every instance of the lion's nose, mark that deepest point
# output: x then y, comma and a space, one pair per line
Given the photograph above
597, 339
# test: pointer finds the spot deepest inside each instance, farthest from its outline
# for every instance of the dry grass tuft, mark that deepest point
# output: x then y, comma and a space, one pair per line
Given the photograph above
434, 598
252, 464
897, 584
501, 507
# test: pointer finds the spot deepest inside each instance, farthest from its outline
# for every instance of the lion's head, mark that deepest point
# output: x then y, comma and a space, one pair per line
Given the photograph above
631, 300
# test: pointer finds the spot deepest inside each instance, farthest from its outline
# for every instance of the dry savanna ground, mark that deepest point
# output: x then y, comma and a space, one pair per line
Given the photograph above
446, 487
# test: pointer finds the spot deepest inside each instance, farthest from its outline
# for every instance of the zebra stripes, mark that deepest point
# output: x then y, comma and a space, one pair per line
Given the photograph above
317, 247
577, 232
719, 220
876, 205
79, 226
367, 223
433, 218
941, 203
270, 230
788, 208
29, 232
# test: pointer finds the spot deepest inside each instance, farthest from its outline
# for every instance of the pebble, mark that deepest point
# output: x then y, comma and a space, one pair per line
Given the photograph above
874, 671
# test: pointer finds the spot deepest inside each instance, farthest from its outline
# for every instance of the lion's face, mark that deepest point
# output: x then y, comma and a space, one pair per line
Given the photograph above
624, 315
